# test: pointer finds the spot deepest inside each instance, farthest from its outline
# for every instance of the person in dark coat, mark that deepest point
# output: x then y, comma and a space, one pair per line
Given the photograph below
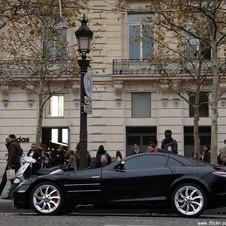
37, 155
13, 161
206, 153
101, 161
78, 155
169, 144
136, 150
96, 163
101, 150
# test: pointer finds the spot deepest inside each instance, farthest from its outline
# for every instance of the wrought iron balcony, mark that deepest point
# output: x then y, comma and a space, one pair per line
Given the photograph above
146, 67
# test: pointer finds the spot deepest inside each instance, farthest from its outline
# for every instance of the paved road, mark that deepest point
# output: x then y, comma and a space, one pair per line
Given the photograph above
10, 216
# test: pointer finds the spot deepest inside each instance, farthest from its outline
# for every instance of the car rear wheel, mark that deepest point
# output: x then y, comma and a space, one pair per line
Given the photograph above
189, 200
46, 199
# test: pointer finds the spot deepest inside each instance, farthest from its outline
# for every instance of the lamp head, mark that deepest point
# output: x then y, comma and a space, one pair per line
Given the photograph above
84, 37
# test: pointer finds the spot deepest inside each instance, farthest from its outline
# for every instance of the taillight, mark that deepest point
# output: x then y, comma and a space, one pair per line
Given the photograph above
219, 173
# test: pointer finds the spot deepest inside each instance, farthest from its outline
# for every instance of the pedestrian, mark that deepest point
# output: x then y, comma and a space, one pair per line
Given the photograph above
101, 161
206, 153
45, 162
136, 149
222, 156
96, 163
153, 145
168, 143
117, 157
101, 150
43, 149
71, 165
56, 157
37, 155
13, 161
78, 155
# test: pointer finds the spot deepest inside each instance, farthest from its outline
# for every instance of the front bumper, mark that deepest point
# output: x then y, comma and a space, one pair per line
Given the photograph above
21, 195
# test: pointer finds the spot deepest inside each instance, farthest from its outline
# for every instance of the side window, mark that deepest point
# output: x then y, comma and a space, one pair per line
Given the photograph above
174, 163
146, 162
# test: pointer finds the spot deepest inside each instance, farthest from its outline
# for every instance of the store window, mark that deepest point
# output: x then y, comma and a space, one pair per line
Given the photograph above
55, 136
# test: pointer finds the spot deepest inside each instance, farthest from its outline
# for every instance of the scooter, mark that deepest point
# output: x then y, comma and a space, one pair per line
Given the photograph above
25, 172
22, 174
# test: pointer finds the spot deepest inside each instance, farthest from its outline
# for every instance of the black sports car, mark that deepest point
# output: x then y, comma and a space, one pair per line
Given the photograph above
147, 181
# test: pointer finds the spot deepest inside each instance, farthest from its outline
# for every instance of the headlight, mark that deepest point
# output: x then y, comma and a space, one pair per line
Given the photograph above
26, 183
219, 173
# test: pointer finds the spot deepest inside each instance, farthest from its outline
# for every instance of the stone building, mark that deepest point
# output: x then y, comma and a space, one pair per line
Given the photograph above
129, 105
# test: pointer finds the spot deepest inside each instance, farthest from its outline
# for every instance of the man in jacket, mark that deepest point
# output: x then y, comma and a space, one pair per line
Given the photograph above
169, 144
13, 160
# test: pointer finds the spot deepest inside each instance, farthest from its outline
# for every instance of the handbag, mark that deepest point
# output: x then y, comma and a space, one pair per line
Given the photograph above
10, 174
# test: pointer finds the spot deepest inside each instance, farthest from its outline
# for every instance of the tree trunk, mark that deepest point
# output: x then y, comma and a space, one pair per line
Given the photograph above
214, 104
39, 120
196, 125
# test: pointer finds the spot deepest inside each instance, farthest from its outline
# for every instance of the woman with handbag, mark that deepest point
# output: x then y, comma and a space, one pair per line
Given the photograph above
13, 161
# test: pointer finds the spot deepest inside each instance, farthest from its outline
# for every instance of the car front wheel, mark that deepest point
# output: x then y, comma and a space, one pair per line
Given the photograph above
46, 199
189, 200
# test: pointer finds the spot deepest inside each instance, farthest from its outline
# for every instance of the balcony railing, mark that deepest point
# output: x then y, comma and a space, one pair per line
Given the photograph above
146, 67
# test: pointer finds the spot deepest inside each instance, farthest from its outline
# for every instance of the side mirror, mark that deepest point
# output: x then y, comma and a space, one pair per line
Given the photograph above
121, 166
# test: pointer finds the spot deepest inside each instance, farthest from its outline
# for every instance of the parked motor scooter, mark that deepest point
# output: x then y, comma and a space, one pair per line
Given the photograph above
25, 172
22, 174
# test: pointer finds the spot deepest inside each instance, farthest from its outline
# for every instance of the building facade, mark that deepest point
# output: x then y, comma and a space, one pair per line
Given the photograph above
129, 104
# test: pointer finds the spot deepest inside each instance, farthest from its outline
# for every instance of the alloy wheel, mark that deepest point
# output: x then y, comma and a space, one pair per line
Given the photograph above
46, 199
189, 200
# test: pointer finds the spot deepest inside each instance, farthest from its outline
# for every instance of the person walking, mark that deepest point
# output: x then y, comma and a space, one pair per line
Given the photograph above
13, 161
168, 143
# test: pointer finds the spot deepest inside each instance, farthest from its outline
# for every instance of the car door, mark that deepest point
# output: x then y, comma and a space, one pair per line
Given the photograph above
145, 179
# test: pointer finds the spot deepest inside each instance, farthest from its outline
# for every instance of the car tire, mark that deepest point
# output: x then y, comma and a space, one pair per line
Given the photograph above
47, 199
188, 200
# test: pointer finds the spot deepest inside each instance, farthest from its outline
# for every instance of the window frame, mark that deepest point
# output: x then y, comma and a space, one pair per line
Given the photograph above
193, 46
140, 24
60, 107
134, 105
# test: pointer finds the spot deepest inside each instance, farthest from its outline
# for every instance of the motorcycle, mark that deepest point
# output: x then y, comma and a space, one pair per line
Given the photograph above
25, 172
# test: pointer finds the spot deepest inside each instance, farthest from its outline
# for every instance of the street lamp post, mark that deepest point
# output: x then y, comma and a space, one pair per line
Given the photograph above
84, 37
